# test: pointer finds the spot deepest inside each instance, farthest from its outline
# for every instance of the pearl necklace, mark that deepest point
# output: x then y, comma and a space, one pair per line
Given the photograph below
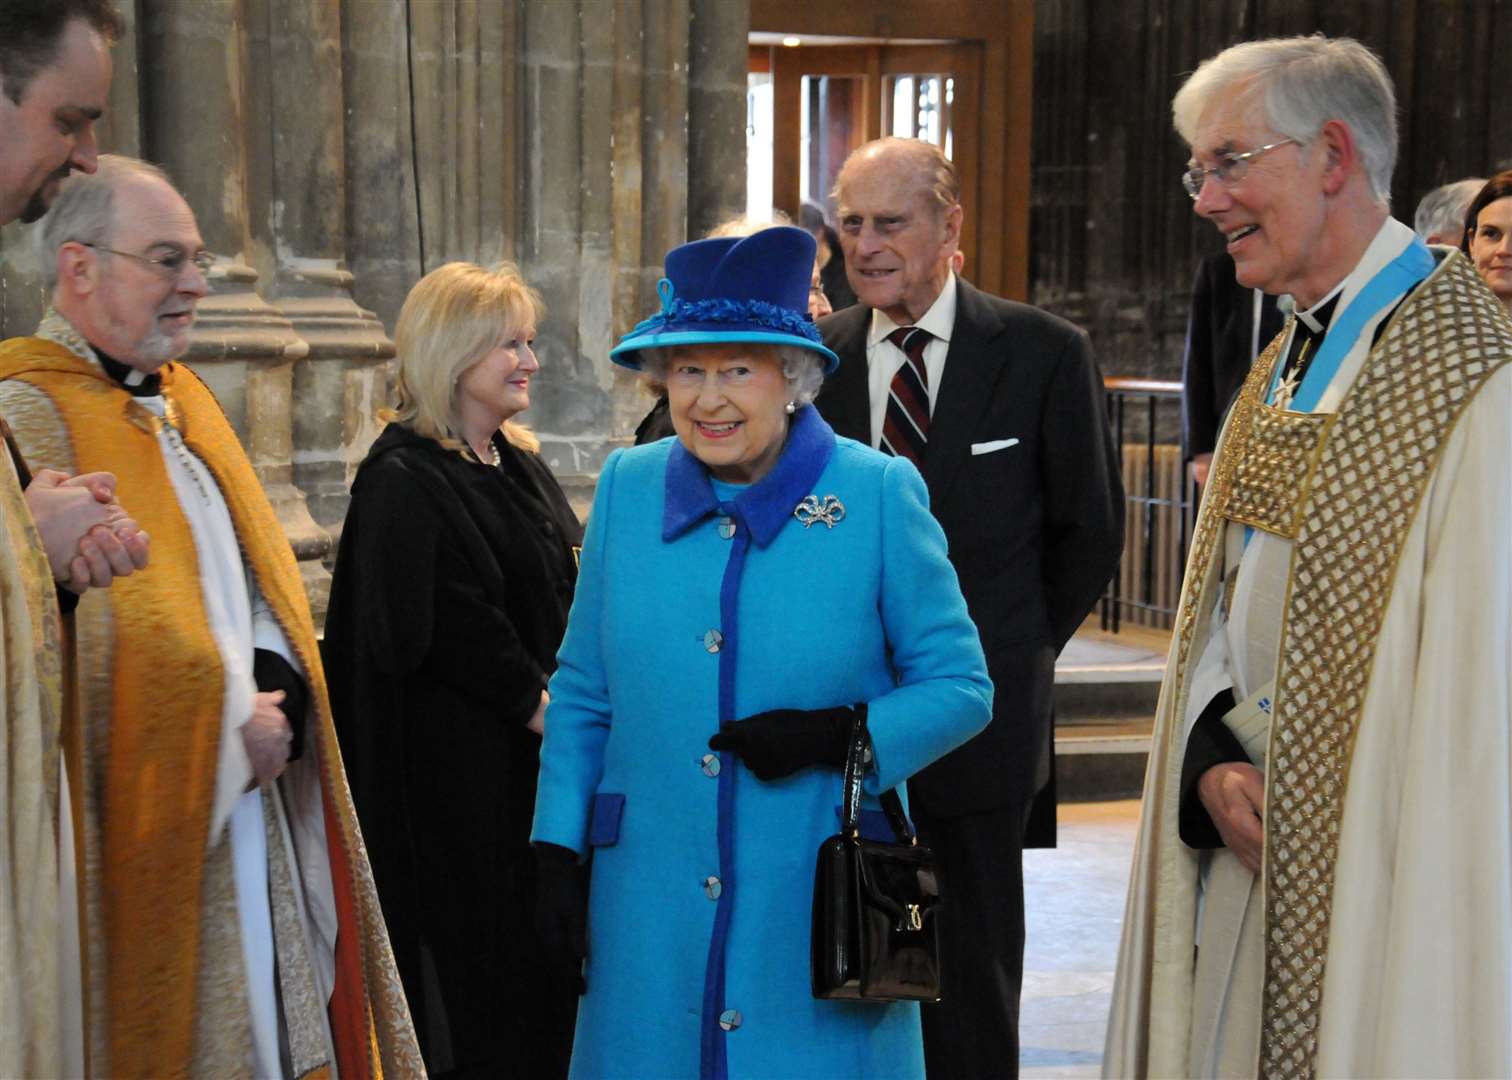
491, 459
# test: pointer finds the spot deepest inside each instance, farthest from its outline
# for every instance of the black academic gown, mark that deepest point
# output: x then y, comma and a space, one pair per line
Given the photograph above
449, 599
1220, 347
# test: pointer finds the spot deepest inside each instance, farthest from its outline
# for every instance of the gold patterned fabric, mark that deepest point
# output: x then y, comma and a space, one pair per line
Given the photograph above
1264, 490
165, 989
30, 704
1363, 495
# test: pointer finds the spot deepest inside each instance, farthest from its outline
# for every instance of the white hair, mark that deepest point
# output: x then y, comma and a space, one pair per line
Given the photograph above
802, 368
1302, 83
84, 211
1442, 211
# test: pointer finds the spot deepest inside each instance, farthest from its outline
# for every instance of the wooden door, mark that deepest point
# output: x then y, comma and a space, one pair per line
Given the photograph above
829, 99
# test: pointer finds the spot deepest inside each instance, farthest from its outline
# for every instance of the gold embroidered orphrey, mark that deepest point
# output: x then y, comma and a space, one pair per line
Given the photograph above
1349, 507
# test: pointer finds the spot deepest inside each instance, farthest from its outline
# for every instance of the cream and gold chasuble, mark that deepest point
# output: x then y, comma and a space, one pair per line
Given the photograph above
1347, 489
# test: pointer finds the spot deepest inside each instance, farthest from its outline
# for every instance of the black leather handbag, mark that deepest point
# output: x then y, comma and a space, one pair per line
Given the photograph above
876, 904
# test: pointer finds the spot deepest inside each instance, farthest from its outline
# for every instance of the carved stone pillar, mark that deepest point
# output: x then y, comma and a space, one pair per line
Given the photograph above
717, 57
340, 385
196, 104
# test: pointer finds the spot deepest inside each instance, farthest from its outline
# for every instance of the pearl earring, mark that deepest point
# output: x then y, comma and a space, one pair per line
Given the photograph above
791, 408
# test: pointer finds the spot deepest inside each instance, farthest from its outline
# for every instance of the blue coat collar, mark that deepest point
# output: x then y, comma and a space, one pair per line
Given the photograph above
766, 505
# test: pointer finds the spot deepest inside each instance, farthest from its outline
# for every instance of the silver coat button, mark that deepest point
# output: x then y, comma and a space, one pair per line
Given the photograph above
727, 528
729, 1019
710, 764
713, 640
712, 887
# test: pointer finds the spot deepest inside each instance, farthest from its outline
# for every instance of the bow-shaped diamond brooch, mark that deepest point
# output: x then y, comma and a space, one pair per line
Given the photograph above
831, 511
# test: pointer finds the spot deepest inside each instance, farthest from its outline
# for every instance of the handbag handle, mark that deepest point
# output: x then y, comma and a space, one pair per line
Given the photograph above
855, 771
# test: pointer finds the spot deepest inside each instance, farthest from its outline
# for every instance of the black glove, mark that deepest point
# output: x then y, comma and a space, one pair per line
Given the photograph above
561, 912
780, 742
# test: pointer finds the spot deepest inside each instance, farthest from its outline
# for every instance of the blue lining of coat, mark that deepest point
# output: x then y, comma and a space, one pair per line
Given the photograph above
604, 819
713, 1064
766, 505
758, 513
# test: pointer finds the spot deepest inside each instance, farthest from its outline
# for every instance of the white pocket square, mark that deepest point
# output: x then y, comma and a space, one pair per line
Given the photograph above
989, 447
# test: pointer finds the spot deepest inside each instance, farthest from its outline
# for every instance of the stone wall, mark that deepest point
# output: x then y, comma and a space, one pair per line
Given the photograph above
336, 150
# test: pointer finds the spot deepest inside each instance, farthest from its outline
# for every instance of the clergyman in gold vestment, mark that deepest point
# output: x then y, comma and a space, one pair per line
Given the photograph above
54, 80
227, 923
1323, 878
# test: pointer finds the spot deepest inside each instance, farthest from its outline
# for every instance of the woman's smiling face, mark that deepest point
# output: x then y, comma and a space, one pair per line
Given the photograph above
728, 403
1491, 247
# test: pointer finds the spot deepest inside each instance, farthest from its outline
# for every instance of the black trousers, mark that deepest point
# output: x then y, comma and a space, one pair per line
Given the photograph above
973, 1032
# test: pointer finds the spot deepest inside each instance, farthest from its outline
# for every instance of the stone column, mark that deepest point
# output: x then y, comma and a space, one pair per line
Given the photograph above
340, 385
382, 223
566, 164
717, 57
196, 99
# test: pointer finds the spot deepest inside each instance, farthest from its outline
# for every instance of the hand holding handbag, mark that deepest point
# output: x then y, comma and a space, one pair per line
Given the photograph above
875, 919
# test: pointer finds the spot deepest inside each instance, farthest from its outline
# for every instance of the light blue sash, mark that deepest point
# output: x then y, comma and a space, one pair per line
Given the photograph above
1390, 283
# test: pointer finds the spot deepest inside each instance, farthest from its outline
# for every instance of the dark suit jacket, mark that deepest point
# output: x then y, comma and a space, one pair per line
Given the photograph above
1219, 344
1035, 529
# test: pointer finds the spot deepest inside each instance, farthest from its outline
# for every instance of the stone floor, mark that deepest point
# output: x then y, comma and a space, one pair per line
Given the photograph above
1136, 653
1074, 900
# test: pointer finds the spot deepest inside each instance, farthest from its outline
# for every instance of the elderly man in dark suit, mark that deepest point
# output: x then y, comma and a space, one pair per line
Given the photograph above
1000, 406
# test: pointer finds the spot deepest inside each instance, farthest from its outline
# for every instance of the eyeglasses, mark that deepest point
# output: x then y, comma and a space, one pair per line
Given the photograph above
1229, 170
171, 262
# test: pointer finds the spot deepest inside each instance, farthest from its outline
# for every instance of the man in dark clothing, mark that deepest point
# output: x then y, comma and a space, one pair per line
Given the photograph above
1228, 327
1001, 407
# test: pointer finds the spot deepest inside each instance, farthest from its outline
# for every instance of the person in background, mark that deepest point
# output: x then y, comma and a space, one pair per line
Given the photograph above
225, 922
831, 258
747, 588
1440, 214
1228, 327
1001, 407
448, 601
1488, 236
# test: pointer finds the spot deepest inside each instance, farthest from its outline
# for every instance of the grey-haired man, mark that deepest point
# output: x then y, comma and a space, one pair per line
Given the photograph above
1335, 710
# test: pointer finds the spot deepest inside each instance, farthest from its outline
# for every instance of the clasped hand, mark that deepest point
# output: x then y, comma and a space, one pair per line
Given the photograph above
1234, 796
267, 736
87, 536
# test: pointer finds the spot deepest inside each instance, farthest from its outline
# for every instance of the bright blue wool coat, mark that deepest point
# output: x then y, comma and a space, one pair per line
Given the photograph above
702, 874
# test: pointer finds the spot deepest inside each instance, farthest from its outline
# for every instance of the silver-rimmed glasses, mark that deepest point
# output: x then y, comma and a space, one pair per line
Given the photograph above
170, 262
1229, 170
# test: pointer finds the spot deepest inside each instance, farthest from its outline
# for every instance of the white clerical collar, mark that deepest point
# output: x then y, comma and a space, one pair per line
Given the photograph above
939, 320
1310, 316
1390, 241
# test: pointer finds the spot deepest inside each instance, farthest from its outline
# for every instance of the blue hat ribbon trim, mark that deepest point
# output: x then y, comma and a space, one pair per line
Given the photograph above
740, 312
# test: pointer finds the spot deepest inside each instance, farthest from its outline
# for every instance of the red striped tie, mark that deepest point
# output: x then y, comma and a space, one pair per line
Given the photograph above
905, 426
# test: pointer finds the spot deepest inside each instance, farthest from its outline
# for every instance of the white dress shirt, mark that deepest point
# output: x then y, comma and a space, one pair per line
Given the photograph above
883, 358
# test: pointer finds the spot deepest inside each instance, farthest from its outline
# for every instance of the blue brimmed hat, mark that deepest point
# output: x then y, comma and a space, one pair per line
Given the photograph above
733, 288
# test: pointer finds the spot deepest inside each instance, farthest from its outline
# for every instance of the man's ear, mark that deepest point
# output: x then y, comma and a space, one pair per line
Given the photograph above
953, 219
1341, 155
78, 267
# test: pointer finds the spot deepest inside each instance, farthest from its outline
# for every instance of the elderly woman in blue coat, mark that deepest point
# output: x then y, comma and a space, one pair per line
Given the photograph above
744, 588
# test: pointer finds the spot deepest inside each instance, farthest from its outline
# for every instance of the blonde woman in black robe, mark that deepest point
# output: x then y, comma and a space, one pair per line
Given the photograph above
450, 596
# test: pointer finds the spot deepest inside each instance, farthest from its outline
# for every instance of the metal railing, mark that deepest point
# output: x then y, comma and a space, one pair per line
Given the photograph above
1148, 579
